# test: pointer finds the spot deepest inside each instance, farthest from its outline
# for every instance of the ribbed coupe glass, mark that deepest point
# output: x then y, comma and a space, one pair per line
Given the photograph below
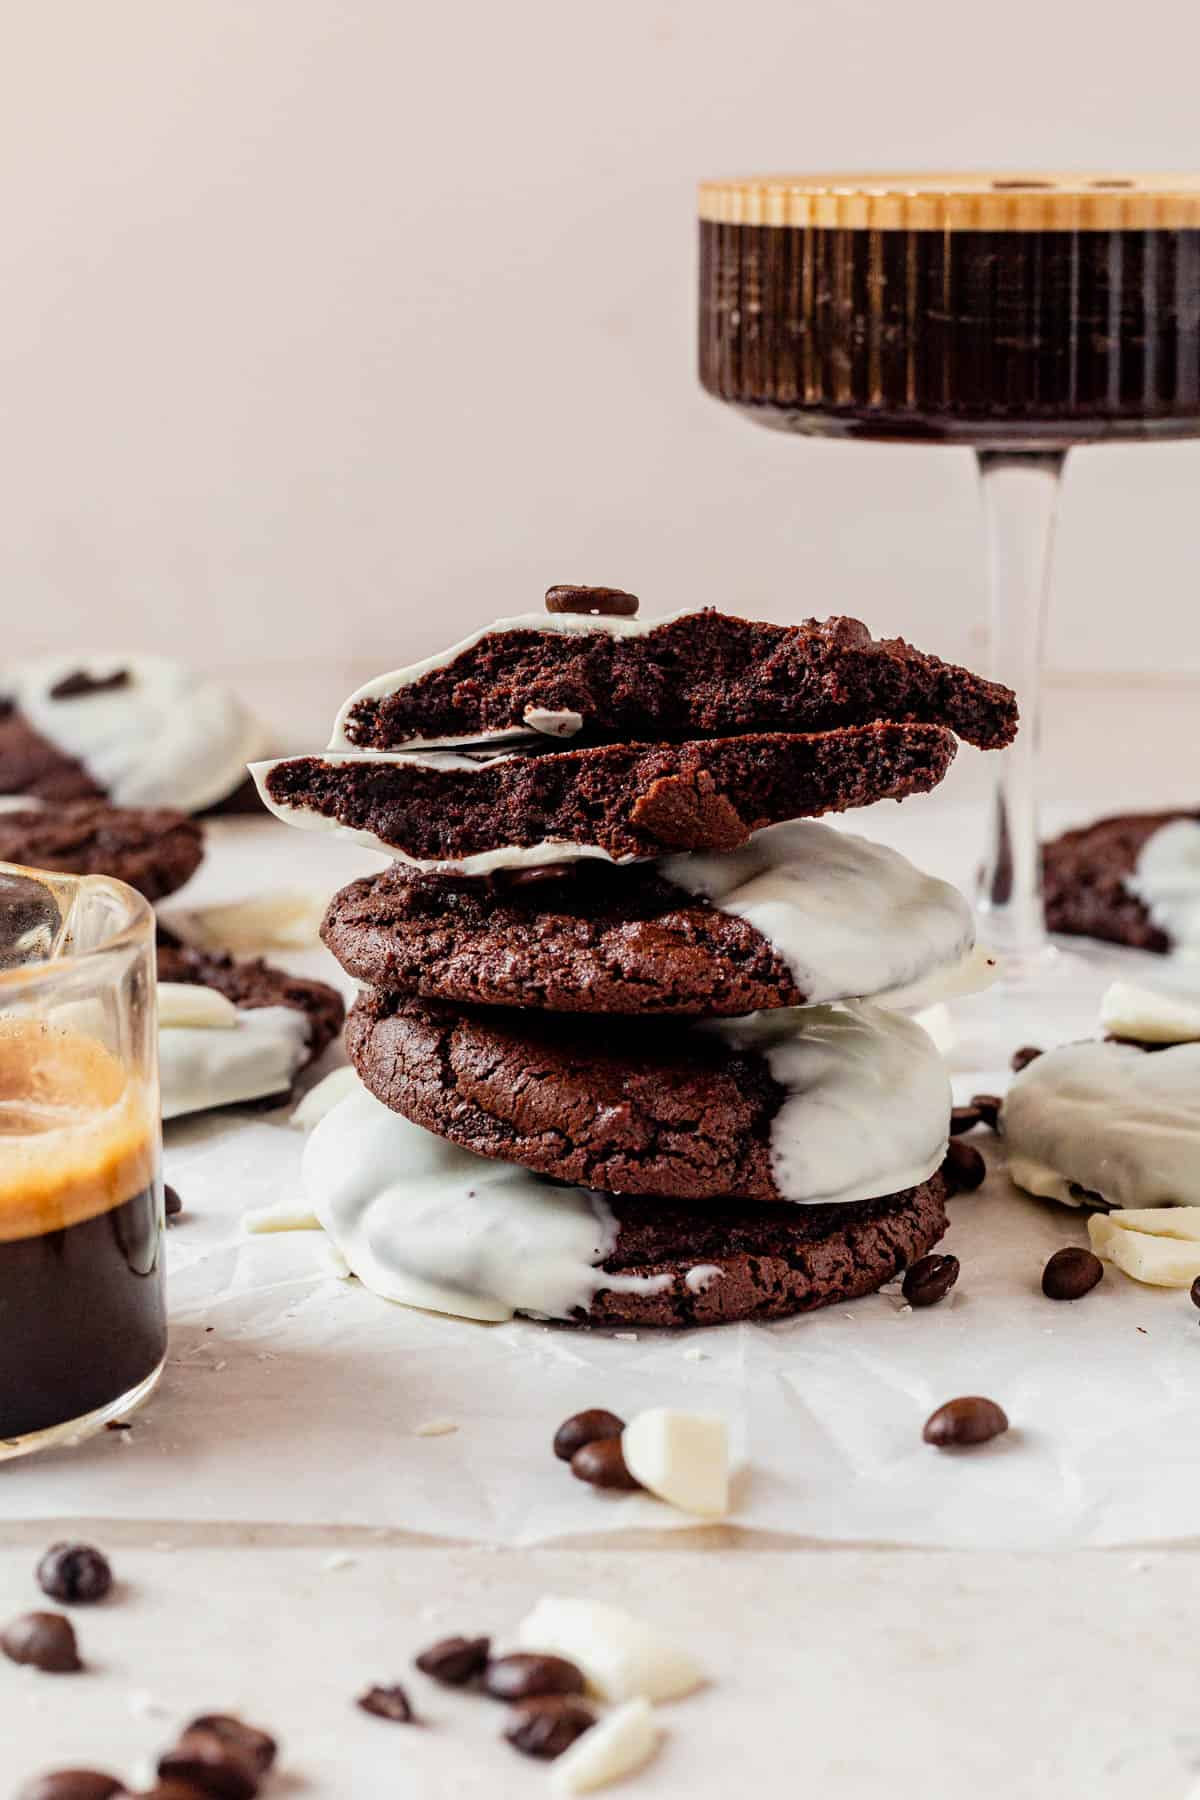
1019, 315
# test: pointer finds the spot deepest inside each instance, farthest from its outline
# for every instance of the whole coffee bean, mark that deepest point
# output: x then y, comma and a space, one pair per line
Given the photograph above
584, 1428
258, 1745
1022, 1058
387, 1703
964, 1119
1195, 1291
71, 1784
526, 1676
1071, 1273
174, 1790
174, 1204
988, 1107
969, 1420
80, 683
963, 1168
614, 602
206, 1760
455, 1660
602, 1464
929, 1280
44, 1640
74, 1573
546, 1727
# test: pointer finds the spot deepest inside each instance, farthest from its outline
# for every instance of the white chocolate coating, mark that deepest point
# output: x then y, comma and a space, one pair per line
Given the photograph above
867, 1100
847, 917
1167, 882
427, 1224
169, 737
1120, 1122
200, 1067
553, 624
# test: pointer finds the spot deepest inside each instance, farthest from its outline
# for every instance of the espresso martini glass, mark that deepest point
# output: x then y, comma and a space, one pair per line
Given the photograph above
1018, 315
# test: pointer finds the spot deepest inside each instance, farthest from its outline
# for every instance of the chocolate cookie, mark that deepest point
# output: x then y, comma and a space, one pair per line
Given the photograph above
1090, 877
488, 810
154, 850
823, 1105
686, 675
31, 765
804, 913
252, 984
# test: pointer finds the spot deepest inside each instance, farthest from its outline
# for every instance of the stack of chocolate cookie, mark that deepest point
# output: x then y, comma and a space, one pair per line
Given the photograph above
632, 1048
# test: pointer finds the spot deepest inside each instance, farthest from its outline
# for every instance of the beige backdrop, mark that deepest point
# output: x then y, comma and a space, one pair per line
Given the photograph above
329, 327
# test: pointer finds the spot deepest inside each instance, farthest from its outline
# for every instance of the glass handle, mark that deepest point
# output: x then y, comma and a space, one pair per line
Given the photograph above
1020, 500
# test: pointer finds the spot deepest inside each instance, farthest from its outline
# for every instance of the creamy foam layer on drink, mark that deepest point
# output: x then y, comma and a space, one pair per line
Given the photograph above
76, 1130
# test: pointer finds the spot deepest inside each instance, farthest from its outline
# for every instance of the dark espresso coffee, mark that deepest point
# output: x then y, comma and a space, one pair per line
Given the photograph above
985, 324
82, 1315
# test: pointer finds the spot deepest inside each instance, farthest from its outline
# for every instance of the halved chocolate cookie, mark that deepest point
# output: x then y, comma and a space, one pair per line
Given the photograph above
686, 675
153, 849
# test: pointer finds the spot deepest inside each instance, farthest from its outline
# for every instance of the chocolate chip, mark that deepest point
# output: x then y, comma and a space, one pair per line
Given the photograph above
258, 1745
964, 1119
71, 1784
614, 603
208, 1760
79, 683
930, 1280
584, 1428
963, 1168
455, 1660
602, 1464
546, 1727
1071, 1273
45, 1640
506, 879
988, 1107
172, 1202
688, 812
1022, 1058
969, 1420
74, 1574
387, 1703
526, 1676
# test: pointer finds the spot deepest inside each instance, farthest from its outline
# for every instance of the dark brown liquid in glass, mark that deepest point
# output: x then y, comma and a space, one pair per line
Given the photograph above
1038, 337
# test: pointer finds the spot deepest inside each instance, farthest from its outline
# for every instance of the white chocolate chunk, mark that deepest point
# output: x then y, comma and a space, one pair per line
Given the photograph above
682, 1457
1146, 1017
322, 1098
187, 1003
435, 1428
289, 1214
622, 1658
615, 1746
283, 921
1160, 1246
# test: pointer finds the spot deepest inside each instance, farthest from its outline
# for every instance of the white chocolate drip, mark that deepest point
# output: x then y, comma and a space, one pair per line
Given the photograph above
1167, 882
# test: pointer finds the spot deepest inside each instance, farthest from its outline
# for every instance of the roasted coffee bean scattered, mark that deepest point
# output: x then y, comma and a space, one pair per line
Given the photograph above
79, 684
209, 1761
929, 1280
175, 1790
964, 1119
44, 1640
455, 1660
969, 1420
387, 1703
1071, 1273
526, 1676
964, 1168
585, 1428
546, 1727
71, 1784
988, 1107
74, 1573
613, 602
1022, 1058
1195, 1291
602, 1464
258, 1745
174, 1204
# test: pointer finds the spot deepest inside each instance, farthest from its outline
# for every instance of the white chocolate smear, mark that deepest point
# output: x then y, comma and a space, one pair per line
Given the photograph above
200, 1068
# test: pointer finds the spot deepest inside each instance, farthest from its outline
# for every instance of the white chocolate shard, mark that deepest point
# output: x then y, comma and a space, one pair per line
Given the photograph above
1146, 1017
614, 1747
682, 1457
289, 1214
622, 1658
321, 1099
187, 1003
1160, 1245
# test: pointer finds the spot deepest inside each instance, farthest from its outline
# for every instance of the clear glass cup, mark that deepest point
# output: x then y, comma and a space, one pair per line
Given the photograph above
1016, 315
83, 1332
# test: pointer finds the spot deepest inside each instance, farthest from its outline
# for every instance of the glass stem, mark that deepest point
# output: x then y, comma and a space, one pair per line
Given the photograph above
1020, 500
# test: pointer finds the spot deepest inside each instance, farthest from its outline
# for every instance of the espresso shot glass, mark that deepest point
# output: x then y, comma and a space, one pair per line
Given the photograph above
83, 1331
